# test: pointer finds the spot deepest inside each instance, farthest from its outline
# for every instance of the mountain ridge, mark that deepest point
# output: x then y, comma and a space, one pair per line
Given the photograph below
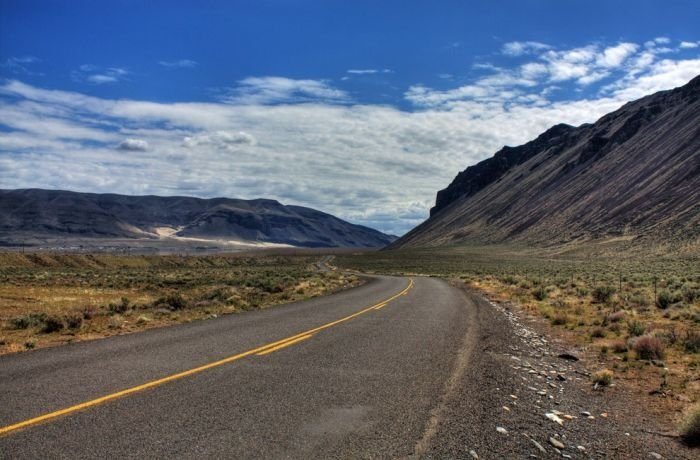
634, 174
65, 214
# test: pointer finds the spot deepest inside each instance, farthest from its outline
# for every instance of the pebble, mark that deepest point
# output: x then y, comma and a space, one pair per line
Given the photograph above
506, 408
585, 413
538, 445
655, 455
556, 443
501, 430
554, 418
474, 454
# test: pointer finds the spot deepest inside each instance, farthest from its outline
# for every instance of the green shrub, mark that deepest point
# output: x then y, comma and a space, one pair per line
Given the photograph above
171, 301
690, 294
540, 293
27, 321
690, 427
119, 308
602, 294
691, 341
664, 299
635, 328
52, 324
74, 321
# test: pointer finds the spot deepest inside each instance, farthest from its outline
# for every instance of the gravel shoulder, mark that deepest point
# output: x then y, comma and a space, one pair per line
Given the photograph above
517, 398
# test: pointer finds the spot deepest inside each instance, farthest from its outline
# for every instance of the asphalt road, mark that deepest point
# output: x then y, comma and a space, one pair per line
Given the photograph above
370, 385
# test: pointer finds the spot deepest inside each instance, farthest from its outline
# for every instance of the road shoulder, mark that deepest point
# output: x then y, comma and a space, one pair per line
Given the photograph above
518, 398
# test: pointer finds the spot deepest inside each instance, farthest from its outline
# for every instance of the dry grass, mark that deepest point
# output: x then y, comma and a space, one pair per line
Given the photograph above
604, 305
49, 299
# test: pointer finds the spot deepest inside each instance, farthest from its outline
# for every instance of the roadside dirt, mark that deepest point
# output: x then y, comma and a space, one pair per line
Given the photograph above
520, 399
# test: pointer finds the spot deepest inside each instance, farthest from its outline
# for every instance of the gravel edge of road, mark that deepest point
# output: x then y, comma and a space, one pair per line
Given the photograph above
519, 399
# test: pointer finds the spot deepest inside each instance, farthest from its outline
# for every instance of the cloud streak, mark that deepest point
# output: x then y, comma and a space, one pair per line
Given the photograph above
306, 142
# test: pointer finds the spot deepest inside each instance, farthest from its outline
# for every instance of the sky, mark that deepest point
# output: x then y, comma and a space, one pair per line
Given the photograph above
362, 109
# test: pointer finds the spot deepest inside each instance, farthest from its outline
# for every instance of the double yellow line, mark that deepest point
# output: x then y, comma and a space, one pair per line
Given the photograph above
260, 351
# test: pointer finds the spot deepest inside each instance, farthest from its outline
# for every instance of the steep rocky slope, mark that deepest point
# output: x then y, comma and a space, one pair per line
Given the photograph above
633, 175
39, 213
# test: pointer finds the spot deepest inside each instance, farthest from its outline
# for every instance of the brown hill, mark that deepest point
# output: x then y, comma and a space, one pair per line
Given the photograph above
34, 214
633, 175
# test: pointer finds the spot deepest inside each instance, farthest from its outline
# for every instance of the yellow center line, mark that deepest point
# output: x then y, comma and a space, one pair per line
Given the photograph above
262, 350
285, 344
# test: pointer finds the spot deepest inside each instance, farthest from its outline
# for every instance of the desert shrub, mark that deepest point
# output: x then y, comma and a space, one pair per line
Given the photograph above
602, 294
690, 294
648, 347
560, 303
618, 346
581, 291
74, 321
509, 279
616, 317
691, 341
171, 301
119, 308
603, 377
52, 324
635, 328
690, 427
27, 321
639, 300
664, 299
539, 293
560, 319
598, 332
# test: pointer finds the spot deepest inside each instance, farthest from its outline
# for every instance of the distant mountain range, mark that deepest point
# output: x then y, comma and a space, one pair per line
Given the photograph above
633, 175
37, 215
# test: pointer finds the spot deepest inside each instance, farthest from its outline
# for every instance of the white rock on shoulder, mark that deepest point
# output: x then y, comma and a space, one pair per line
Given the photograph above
556, 443
554, 418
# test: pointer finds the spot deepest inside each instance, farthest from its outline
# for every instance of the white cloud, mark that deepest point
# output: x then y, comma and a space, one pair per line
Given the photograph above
220, 139
275, 90
369, 71
302, 142
182, 63
614, 56
98, 76
134, 145
20, 65
521, 48
99, 79
689, 45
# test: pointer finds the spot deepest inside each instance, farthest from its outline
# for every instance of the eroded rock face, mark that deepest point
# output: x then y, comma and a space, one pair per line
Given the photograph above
635, 173
55, 213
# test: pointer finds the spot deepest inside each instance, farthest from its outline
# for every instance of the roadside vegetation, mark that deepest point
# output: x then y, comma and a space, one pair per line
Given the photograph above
48, 299
636, 317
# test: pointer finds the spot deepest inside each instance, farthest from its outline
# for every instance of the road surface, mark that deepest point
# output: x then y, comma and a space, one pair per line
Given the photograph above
359, 374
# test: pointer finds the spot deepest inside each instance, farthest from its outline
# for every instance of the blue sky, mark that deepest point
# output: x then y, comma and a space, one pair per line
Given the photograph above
361, 109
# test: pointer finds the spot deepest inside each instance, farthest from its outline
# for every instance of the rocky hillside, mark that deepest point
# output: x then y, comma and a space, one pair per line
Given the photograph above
633, 175
34, 213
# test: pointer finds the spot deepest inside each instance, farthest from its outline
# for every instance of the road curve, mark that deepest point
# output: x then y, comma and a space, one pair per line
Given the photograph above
348, 375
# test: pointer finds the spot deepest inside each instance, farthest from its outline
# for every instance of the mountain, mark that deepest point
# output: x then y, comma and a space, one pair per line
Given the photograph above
48, 214
634, 175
